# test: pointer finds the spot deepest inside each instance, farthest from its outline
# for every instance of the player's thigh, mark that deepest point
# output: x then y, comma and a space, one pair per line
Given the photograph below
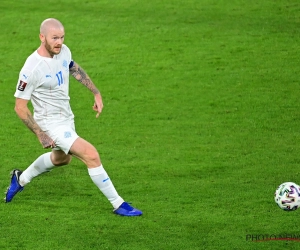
86, 152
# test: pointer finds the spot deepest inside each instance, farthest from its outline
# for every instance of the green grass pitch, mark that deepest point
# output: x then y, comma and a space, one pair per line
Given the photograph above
200, 124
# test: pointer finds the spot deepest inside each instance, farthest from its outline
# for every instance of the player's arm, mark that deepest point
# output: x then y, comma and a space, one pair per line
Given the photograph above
81, 76
25, 115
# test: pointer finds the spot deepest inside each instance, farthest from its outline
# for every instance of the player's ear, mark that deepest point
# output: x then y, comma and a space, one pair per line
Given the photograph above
42, 38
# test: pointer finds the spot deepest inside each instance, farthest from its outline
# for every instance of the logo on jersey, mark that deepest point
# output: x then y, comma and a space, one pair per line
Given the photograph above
22, 85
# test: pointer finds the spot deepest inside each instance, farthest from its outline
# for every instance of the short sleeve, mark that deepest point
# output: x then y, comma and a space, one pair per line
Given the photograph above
25, 85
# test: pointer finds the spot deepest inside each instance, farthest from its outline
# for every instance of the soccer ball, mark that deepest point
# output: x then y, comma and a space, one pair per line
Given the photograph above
287, 196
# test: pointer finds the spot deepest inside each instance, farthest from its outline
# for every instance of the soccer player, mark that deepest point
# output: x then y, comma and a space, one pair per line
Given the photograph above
44, 80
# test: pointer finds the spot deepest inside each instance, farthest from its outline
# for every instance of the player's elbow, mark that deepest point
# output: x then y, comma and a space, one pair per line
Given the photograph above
18, 110
21, 106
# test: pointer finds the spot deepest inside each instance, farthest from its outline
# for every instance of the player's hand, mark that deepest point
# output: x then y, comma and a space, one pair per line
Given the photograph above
98, 105
46, 141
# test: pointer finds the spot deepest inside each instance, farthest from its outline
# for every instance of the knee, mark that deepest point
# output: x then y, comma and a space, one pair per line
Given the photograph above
92, 158
93, 155
62, 161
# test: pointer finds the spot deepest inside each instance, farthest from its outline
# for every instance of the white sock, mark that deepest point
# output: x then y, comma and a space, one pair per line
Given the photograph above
103, 182
41, 165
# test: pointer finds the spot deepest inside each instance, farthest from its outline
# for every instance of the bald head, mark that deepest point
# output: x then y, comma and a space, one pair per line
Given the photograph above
50, 24
52, 35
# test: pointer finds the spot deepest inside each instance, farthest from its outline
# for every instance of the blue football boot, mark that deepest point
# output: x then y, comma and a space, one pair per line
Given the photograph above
14, 187
126, 210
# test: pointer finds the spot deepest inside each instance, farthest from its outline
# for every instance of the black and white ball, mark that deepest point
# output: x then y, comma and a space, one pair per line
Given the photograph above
287, 196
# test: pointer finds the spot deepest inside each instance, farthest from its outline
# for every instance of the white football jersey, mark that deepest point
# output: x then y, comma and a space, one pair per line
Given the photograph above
45, 82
